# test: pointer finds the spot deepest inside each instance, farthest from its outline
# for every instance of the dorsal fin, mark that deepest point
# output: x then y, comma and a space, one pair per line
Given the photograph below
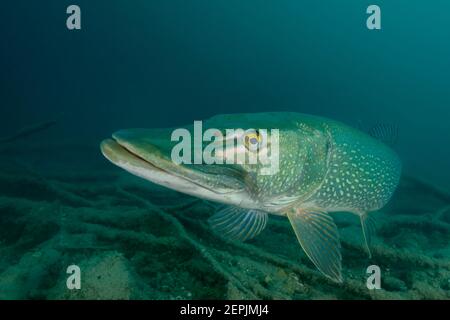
237, 223
385, 132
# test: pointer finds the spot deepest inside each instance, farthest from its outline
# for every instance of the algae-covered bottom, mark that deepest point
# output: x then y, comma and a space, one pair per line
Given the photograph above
133, 240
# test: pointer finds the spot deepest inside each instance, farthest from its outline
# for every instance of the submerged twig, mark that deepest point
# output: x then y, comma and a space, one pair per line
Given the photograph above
28, 131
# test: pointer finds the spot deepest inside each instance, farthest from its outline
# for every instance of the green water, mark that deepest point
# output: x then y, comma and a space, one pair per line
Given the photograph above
167, 63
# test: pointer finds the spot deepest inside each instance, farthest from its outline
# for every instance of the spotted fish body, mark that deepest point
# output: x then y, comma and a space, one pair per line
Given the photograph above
324, 166
330, 166
362, 173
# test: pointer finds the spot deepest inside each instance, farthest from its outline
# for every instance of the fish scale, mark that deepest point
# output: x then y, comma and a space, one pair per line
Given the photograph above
362, 175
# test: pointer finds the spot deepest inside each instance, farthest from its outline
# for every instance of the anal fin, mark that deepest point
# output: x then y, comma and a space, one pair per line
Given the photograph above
319, 238
238, 223
368, 228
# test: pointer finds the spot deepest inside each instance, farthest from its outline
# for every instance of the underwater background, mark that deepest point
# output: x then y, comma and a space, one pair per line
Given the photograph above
159, 63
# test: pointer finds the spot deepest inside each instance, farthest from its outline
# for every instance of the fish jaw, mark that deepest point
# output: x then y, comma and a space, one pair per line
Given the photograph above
136, 152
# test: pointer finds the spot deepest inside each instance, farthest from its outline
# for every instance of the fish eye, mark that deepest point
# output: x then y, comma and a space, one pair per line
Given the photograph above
252, 140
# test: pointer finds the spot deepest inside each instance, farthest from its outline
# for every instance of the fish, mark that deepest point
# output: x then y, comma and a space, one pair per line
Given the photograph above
325, 166
28, 131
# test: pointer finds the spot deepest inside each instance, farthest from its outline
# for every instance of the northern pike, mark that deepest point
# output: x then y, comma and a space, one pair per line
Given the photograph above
324, 166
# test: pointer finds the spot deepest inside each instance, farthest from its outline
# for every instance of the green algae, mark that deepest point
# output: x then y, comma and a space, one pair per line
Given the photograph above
134, 240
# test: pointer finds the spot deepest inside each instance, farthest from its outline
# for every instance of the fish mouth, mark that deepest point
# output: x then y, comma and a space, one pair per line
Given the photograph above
146, 153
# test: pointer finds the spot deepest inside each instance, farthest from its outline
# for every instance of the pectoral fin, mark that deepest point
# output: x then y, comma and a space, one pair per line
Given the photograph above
237, 223
319, 238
